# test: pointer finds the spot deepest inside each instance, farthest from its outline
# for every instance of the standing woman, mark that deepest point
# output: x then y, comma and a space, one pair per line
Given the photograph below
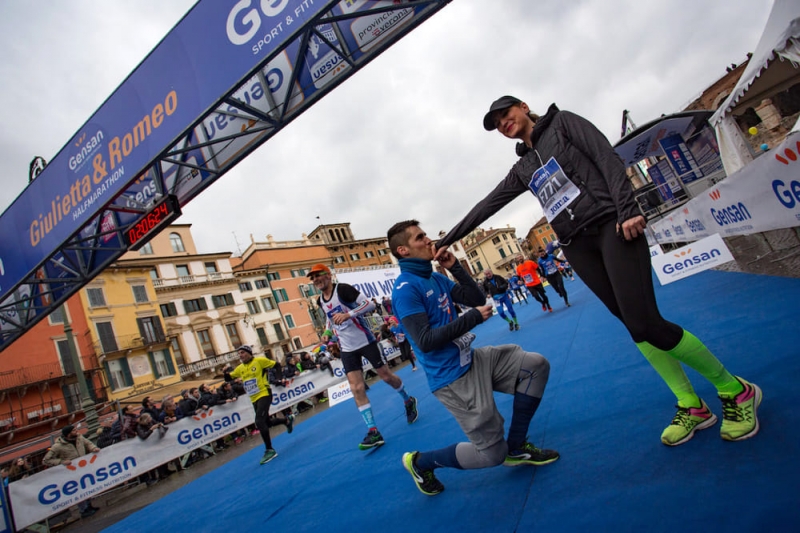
567, 163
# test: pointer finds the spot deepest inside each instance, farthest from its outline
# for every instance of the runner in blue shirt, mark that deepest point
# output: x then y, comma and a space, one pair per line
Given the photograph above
547, 264
461, 377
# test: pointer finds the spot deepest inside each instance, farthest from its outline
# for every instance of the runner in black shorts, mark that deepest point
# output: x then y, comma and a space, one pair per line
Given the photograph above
345, 308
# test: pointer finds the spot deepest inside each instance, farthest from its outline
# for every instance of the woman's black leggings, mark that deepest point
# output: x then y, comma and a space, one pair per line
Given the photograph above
619, 273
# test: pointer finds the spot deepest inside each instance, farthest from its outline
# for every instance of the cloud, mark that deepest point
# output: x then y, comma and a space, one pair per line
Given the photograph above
402, 138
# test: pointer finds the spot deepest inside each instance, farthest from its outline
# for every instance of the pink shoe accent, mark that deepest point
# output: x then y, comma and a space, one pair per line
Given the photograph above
746, 394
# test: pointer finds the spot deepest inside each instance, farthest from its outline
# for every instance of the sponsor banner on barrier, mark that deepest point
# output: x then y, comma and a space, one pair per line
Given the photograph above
339, 393
762, 196
55, 489
691, 259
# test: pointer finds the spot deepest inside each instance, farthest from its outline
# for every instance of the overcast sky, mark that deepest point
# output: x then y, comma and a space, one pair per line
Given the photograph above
403, 137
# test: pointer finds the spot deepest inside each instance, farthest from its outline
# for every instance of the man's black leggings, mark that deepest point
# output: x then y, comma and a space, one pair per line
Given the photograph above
538, 294
557, 282
263, 421
619, 273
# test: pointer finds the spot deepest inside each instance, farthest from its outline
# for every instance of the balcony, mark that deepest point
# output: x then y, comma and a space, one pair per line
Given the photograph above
217, 361
193, 279
29, 375
127, 342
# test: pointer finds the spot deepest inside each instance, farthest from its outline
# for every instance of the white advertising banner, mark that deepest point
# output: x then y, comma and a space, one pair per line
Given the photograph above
762, 196
691, 259
339, 393
371, 283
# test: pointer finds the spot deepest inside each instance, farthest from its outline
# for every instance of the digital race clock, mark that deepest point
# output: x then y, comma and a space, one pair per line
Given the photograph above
161, 214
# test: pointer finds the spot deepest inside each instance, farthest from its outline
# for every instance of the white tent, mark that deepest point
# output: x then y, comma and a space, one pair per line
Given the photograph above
762, 77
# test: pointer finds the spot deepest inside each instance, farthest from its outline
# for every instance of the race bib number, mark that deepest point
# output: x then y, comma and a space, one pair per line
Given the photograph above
400, 337
528, 279
251, 387
464, 343
553, 188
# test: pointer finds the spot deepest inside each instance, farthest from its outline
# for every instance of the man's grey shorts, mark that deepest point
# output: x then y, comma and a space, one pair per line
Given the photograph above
470, 398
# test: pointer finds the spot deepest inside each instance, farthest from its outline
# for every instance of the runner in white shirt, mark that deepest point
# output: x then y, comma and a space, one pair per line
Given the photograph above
345, 307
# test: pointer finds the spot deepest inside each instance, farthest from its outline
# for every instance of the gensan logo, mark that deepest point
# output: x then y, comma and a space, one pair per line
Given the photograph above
685, 260
51, 494
85, 147
790, 154
714, 195
211, 427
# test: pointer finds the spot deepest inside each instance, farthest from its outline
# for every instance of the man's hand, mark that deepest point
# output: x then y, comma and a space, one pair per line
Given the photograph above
340, 318
486, 311
444, 257
633, 227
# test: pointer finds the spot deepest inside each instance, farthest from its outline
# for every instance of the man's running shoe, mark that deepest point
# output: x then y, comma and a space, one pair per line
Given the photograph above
510, 326
544, 308
550, 309
685, 422
372, 440
739, 412
528, 454
411, 410
516, 327
289, 423
425, 480
269, 455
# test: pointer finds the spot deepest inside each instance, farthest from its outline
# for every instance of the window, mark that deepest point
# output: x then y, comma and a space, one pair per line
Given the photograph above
496, 240
502, 253
192, 306
147, 249
176, 349
455, 247
176, 242
168, 310
510, 250
211, 268
279, 331
297, 343
290, 321
119, 373
96, 297
245, 286
233, 335
544, 240
183, 270
252, 307
107, 339
140, 294
151, 330
66, 358
369, 254
161, 364
478, 266
505, 237
205, 342
382, 252
354, 257
153, 274
297, 273
280, 295
268, 353
273, 276
268, 303
222, 300
262, 336
338, 259
57, 316
261, 284
473, 254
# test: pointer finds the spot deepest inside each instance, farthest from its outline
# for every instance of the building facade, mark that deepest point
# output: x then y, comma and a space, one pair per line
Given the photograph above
495, 249
127, 332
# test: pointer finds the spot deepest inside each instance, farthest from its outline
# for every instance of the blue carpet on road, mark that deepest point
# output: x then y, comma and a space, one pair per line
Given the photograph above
604, 410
